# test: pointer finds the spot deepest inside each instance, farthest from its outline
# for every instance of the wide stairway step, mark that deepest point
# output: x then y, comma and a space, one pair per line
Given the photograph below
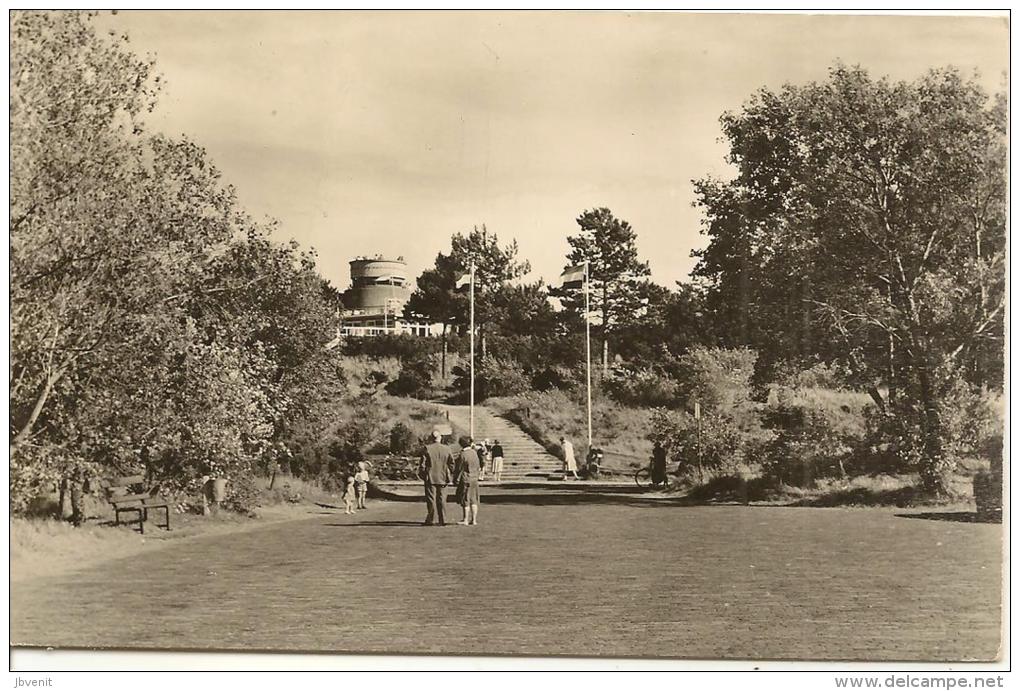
523, 456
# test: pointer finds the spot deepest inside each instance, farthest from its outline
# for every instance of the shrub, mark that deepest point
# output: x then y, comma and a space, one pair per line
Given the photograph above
719, 378
350, 440
242, 493
720, 447
387, 345
494, 376
503, 377
816, 431
819, 376
549, 378
364, 372
642, 387
401, 439
804, 447
374, 379
969, 420
415, 377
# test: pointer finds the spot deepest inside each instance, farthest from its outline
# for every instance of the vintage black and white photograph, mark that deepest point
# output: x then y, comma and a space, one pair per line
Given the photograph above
653, 335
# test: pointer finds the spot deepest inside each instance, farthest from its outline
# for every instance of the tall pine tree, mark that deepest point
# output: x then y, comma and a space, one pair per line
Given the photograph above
616, 274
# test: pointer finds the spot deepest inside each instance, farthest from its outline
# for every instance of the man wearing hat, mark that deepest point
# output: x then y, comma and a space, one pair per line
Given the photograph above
436, 471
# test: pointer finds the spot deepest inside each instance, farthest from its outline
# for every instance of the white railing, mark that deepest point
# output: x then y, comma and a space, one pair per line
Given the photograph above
413, 329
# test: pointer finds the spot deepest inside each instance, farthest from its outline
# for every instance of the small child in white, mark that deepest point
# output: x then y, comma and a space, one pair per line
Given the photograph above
348, 496
361, 483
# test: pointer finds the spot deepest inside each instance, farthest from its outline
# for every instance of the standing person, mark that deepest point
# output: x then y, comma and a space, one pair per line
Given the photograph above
483, 456
658, 464
593, 463
349, 493
569, 462
361, 479
497, 461
436, 470
468, 469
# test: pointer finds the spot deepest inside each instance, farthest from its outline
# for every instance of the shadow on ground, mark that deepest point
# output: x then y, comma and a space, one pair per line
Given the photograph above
720, 492
568, 496
362, 524
954, 516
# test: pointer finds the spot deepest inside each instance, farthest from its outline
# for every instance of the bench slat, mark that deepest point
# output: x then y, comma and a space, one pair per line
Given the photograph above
127, 481
124, 499
117, 497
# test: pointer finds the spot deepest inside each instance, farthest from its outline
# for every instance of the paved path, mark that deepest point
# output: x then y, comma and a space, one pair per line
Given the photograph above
545, 575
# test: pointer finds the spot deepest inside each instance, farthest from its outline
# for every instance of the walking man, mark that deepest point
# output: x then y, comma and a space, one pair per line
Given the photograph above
436, 471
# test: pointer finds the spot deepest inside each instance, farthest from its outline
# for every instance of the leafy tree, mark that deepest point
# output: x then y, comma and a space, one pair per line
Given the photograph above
610, 246
436, 297
672, 323
74, 102
494, 265
886, 203
154, 326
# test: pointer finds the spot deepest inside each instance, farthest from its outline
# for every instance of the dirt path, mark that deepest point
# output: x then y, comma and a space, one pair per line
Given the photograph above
545, 576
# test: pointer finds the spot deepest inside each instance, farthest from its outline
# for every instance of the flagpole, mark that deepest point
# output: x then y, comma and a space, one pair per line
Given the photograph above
587, 346
472, 301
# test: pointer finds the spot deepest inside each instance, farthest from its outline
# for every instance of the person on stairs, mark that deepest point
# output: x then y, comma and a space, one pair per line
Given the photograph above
497, 461
466, 475
569, 462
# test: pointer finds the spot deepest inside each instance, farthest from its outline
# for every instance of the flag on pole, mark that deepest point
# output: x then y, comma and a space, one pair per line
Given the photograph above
463, 281
573, 276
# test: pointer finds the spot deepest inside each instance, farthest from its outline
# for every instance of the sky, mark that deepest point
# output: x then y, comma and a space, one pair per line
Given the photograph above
369, 133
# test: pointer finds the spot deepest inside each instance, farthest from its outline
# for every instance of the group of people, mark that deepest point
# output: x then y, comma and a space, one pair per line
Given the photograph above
460, 467
490, 457
356, 489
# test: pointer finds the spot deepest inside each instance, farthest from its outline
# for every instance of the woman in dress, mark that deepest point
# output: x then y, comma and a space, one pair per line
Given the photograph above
466, 475
569, 462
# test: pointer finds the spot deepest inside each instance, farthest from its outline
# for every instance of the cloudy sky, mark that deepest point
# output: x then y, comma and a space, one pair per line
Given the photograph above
387, 132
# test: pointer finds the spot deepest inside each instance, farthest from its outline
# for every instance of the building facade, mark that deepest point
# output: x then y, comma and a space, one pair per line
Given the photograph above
374, 303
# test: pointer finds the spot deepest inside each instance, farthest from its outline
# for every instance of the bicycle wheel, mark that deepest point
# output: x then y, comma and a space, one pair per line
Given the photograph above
643, 478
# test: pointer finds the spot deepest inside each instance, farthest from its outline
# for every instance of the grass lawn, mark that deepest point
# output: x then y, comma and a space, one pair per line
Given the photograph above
550, 573
47, 546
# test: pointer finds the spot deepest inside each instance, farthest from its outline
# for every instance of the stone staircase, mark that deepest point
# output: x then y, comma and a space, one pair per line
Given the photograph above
523, 458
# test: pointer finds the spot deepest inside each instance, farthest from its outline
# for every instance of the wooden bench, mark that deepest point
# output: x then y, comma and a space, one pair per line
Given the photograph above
124, 498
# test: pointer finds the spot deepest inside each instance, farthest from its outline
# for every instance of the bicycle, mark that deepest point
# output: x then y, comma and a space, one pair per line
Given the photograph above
643, 479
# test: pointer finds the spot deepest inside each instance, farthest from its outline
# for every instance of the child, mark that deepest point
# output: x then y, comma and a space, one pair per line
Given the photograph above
348, 496
361, 483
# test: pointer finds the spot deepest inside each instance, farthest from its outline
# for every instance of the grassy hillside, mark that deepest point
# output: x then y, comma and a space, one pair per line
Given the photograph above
621, 431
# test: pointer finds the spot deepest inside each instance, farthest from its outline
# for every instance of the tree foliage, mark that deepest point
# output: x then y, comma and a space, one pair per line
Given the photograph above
616, 275
155, 327
867, 224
